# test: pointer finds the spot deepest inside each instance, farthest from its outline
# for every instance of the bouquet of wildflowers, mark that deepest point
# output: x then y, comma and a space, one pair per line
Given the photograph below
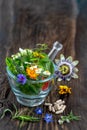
30, 65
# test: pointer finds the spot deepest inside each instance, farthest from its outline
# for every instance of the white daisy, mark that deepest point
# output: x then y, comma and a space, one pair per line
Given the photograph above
66, 68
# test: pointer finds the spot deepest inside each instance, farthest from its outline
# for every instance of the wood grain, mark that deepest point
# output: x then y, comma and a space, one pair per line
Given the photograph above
30, 27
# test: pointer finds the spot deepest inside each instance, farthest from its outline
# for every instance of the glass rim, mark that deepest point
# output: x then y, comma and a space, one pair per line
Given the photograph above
33, 81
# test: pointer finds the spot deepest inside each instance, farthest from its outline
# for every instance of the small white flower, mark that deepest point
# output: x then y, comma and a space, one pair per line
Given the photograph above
60, 121
47, 73
38, 70
33, 67
27, 63
18, 54
21, 50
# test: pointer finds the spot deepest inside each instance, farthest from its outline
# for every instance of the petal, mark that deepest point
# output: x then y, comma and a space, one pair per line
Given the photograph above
68, 79
57, 61
59, 79
62, 57
75, 62
75, 75
76, 69
69, 59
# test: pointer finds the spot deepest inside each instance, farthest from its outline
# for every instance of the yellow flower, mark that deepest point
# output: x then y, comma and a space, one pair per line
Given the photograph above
36, 54
63, 89
31, 73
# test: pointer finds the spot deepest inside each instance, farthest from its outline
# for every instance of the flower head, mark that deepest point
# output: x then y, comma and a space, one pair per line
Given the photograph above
21, 78
38, 111
66, 68
39, 55
63, 89
48, 118
47, 73
31, 72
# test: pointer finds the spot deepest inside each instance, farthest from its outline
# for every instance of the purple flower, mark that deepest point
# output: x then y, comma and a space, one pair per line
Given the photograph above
48, 118
21, 78
38, 111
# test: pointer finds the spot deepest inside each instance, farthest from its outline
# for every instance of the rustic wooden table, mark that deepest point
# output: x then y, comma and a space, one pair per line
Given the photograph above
77, 101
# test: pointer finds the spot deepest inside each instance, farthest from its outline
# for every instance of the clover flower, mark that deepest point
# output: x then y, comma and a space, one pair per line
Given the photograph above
63, 89
66, 68
48, 118
39, 111
21, 78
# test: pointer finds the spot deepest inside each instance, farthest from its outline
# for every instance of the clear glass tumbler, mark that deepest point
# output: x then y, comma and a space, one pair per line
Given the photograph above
31, 99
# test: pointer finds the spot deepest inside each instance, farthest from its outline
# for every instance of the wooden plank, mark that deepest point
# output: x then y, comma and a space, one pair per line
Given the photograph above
47, 30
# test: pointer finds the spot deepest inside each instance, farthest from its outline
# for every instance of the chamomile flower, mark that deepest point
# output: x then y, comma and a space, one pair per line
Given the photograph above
47, 73
66, 68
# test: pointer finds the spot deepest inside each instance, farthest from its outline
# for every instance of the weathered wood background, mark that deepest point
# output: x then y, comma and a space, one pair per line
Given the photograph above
24, 23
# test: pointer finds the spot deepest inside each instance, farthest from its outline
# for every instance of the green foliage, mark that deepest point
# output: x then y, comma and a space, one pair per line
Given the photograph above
19, 62
41, 47
68, 118
18, 116
31, 89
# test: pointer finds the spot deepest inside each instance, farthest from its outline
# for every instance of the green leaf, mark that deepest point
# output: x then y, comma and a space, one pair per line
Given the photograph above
50, 67
31, 89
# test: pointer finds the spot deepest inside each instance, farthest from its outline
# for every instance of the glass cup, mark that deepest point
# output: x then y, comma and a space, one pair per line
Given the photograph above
30, 97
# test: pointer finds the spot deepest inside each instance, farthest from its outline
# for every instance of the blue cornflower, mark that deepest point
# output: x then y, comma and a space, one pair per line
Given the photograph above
39, 111
21, 78
48, 118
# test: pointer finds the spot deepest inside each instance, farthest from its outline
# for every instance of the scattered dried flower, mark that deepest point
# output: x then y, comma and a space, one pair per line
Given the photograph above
63, 89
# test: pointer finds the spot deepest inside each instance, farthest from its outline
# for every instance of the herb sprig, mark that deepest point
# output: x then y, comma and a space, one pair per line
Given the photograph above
68, 118
18, 116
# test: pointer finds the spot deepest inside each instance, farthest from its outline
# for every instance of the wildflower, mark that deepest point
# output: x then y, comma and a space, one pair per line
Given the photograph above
38, 111
24, 51
45, 86
31, 73
64, 89
66, 68
48, 118
36, 54
38, 70
21, 78
47, 73
33, 67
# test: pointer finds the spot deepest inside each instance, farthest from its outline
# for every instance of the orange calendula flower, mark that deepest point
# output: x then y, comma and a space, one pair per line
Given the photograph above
31, 73
63, 89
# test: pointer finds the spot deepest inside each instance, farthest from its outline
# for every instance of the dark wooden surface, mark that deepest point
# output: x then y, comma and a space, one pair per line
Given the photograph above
77, 102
